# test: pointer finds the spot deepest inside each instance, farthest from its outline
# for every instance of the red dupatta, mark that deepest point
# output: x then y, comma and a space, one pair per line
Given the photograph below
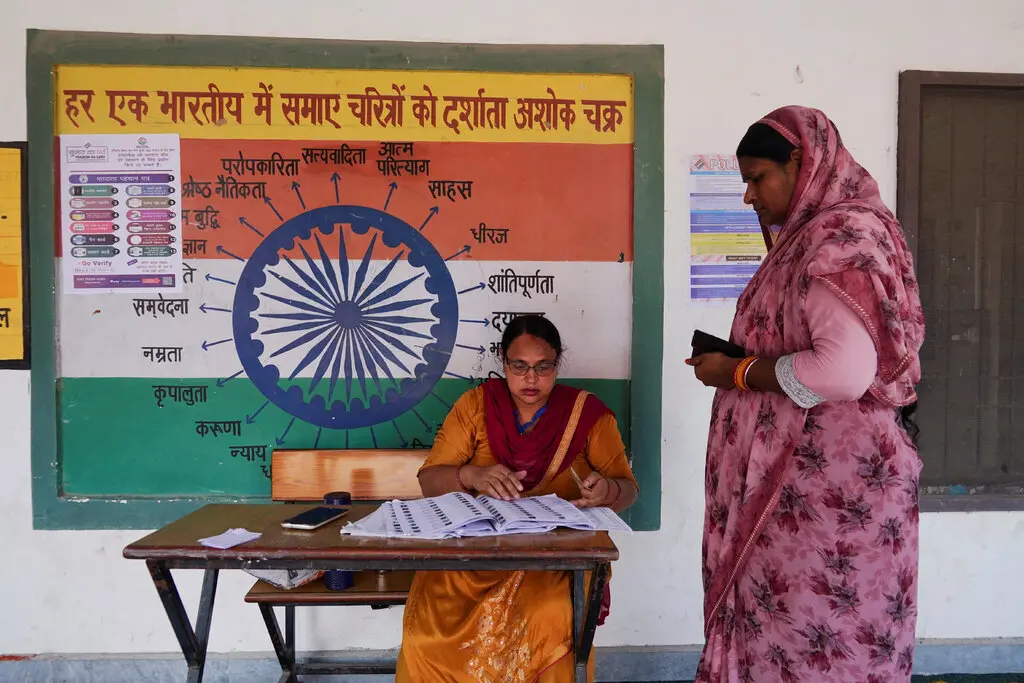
534, 451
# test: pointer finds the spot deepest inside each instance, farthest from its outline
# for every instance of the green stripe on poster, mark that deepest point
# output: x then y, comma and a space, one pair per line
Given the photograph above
138, 437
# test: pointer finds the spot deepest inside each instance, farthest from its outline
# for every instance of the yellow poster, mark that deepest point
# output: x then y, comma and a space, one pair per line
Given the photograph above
13, 350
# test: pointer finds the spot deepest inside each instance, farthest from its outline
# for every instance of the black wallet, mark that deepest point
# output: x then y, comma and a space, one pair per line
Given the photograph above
708, 343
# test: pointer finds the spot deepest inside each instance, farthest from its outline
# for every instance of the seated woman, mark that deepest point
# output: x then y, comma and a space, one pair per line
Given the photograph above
505, 439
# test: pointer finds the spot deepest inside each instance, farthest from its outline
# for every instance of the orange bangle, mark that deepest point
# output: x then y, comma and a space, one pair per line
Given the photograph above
739, 376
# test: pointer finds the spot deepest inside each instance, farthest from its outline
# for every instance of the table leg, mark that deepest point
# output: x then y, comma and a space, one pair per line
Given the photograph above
585, 620
193, 643
289, 628
283, 648
577, 590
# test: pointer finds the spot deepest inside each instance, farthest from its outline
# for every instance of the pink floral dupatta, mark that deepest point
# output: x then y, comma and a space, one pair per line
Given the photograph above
840, 232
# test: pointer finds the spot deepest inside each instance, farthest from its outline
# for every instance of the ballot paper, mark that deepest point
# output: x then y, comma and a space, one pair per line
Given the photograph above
229, 539
459, 514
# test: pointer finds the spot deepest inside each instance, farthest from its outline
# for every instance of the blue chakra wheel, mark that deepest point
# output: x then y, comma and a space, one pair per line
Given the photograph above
339, 345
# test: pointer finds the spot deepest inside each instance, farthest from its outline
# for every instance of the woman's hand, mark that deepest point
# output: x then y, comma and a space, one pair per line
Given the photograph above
496, 481
595, 492
714, 369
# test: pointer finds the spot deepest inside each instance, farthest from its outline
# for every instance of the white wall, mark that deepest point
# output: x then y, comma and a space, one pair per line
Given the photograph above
726, 65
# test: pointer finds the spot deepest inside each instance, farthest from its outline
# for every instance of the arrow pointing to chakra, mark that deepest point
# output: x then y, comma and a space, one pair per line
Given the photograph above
316, 441
394, 424
249, 419
452, 374
334, 179
268, 202
222, 250
482, 321
280, 440
206, 309
433, 212
295, 187
391, 190
207, 345
464, 250
473, 289
222, 382
211, 278
250, 226
478, 349
425, 425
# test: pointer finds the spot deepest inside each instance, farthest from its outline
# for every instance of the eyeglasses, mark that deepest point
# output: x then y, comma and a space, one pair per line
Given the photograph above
543, 369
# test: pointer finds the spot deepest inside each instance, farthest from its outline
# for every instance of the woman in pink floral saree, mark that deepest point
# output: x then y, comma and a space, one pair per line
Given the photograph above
811, 520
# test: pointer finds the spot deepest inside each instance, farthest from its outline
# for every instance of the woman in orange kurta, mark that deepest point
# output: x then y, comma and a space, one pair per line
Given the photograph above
506, 439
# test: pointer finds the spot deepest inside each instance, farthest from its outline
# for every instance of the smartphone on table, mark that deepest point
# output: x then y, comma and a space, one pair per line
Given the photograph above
314, 518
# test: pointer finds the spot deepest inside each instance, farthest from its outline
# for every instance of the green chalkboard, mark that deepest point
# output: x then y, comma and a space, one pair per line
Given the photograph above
134, 452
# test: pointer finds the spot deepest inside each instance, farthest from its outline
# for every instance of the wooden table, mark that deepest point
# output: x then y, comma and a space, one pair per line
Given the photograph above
176, 547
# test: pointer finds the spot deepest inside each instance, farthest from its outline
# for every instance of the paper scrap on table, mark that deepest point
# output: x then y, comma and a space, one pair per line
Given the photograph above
229, 539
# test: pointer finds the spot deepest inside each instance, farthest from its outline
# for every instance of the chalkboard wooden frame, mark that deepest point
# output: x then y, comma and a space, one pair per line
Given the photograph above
48, 49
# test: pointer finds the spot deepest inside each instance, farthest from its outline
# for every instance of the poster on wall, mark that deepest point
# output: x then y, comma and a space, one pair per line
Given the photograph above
726, 246
355, 243
120, 213
14, 315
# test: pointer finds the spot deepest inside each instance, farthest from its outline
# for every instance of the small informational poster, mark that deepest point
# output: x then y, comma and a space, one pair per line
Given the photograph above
14, 315
120, 213
726, 246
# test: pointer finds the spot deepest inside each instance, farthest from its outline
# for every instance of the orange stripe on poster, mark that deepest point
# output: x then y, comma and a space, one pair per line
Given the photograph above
505, 202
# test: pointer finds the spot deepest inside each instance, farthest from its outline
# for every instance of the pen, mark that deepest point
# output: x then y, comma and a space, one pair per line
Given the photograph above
576, 477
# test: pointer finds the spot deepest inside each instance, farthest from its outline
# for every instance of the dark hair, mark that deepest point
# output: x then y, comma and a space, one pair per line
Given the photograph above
761, 141
535, 326
907, 421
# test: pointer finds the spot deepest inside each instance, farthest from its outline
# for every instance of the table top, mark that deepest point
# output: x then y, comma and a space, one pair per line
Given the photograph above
178, 544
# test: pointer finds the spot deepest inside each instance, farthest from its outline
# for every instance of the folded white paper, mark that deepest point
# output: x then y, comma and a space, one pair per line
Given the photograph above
229, 539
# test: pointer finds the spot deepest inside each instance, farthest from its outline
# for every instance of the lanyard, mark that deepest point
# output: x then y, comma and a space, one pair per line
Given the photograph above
523, 427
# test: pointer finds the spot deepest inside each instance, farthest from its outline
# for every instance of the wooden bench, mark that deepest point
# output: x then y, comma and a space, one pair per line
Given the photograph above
303, 476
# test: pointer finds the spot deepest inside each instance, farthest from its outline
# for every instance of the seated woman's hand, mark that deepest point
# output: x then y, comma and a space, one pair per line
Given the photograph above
496, 481
595, 492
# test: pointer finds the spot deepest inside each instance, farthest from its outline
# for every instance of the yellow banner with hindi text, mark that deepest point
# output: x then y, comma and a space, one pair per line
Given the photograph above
358, 104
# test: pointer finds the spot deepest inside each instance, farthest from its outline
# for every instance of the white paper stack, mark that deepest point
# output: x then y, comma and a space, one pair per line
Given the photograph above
459, 514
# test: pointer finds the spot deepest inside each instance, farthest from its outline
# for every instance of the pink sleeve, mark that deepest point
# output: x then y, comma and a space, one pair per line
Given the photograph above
842, 360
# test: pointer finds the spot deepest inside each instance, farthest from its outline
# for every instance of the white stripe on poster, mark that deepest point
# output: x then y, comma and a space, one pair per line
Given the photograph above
303, 325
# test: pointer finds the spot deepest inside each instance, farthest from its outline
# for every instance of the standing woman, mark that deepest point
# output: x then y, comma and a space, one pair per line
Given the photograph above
508, 438
811, 512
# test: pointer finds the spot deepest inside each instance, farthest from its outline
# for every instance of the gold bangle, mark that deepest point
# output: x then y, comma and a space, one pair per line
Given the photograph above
747, 372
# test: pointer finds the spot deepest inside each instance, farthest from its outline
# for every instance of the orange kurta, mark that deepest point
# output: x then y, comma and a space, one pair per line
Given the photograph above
498, 626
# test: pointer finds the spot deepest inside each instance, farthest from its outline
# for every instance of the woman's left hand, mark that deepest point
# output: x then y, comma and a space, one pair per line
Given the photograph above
714, 369
595, 491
